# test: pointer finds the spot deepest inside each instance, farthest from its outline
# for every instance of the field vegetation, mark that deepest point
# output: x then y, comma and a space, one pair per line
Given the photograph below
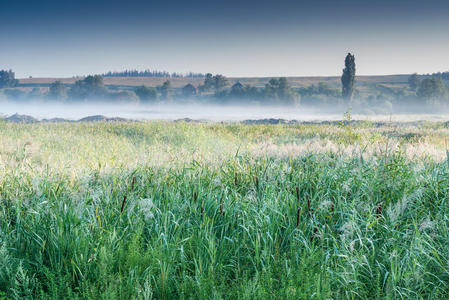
166, 210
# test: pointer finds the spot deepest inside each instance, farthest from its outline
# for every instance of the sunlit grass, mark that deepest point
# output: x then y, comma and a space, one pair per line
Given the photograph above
223, 211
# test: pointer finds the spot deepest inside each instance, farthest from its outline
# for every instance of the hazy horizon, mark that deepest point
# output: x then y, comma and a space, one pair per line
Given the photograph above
259, 77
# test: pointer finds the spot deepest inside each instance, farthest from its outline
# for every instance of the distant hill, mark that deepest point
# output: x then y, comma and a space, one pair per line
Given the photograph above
180, 82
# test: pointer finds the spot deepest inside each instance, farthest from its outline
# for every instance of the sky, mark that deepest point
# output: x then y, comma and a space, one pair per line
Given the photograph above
50, 38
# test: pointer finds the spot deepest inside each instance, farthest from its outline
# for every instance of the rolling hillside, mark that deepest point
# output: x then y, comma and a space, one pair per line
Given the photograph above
180, 82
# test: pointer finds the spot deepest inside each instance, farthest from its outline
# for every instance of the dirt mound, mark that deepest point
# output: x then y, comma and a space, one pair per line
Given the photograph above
55, 120
117, 119
101, 118
96, 118
187, 120
16, 118
269, 121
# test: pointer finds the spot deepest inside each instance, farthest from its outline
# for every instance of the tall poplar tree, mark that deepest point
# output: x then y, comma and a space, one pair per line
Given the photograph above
348, 77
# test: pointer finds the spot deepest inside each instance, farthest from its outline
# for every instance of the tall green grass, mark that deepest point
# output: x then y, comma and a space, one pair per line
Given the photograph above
218, 222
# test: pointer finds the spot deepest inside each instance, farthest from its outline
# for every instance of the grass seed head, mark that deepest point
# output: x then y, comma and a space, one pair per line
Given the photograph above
297, 194
298, 214
132, 184
123, 204
379, 210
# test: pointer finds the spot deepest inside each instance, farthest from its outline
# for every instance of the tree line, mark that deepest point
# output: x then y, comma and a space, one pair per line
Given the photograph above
8, 79
214, 88
429, 89
152, 73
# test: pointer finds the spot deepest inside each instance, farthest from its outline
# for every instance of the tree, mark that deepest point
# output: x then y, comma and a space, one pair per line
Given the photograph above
35, 93
124, 96
216, 83
15, 94
7, 79
431, 89
91, 87
284, 88
271, 88
243, 92
237, 90
57, 90
146, 94
413, 81
280, 91
208, 83
220, 82
189, 91
166, 90
348, 77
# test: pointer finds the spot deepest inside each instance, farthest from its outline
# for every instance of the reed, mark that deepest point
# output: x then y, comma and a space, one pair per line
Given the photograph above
293, 215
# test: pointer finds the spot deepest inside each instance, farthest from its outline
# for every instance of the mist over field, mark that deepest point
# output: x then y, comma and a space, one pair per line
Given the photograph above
156, 95
208, 112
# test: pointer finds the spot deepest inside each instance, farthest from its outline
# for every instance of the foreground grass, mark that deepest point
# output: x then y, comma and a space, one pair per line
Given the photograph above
168, 211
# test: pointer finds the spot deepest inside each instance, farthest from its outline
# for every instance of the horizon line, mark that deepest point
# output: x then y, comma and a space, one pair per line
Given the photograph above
259, 77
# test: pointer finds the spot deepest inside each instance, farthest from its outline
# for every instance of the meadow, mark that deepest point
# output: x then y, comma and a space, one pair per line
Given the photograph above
175, 210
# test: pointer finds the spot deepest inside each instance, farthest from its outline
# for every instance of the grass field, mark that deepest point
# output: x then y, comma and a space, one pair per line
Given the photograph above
164, 210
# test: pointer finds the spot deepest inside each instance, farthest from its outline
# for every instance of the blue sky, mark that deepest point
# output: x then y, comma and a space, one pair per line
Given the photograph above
51, 38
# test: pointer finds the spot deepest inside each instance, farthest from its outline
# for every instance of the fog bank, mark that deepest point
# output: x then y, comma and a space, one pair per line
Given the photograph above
75, 111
